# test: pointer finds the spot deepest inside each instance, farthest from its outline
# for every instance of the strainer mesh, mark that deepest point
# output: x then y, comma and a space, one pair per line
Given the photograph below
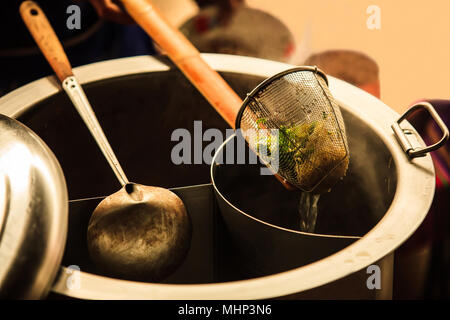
310, 140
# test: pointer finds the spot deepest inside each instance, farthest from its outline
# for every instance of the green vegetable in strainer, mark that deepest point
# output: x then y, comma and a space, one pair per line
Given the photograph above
308, 149
293, 143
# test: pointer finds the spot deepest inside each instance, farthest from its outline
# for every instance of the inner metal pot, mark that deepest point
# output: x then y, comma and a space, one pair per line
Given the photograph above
140, 101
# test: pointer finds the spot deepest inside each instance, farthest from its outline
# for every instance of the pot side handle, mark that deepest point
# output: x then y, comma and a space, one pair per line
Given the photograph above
402, 134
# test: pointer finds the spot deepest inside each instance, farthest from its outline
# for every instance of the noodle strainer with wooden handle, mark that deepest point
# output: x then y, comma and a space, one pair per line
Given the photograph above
312, 146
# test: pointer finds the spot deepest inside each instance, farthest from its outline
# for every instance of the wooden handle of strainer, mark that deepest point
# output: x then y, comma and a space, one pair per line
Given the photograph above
187, 58
46, 39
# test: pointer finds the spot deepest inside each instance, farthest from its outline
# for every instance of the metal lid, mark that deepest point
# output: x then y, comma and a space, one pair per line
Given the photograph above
33, 213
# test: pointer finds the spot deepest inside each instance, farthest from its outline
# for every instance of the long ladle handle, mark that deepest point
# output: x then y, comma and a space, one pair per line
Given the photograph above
45, 37
187, 58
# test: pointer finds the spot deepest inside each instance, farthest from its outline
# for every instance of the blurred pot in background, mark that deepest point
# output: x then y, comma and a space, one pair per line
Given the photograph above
233, 28
351, 66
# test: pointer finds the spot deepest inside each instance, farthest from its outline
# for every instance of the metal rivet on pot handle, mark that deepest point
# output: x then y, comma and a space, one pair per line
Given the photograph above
402, 134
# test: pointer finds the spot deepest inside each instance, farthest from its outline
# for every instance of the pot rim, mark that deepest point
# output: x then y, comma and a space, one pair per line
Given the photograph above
415, 177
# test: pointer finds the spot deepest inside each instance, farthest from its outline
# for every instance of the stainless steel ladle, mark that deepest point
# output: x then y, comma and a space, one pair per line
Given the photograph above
139, 232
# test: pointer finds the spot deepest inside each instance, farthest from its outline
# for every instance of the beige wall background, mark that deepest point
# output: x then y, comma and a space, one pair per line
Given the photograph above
412, 48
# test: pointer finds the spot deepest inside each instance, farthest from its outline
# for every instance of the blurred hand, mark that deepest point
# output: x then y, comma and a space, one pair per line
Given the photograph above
111, 10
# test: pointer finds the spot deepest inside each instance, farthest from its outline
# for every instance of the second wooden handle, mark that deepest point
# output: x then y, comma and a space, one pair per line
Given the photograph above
187, 58
45, 37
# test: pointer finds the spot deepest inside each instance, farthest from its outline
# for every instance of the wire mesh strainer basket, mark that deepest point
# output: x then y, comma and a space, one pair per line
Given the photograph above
294, 124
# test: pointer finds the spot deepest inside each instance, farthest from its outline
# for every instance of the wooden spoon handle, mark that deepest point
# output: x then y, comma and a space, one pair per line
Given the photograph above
187, 58
46, 39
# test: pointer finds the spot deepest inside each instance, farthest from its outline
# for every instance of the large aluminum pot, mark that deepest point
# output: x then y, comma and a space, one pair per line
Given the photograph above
237, 252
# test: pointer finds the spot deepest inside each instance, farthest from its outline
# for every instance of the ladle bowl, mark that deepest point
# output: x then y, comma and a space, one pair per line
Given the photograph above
139, 232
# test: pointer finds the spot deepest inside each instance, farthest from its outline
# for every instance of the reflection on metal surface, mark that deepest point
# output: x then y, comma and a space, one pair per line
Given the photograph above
4, 201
